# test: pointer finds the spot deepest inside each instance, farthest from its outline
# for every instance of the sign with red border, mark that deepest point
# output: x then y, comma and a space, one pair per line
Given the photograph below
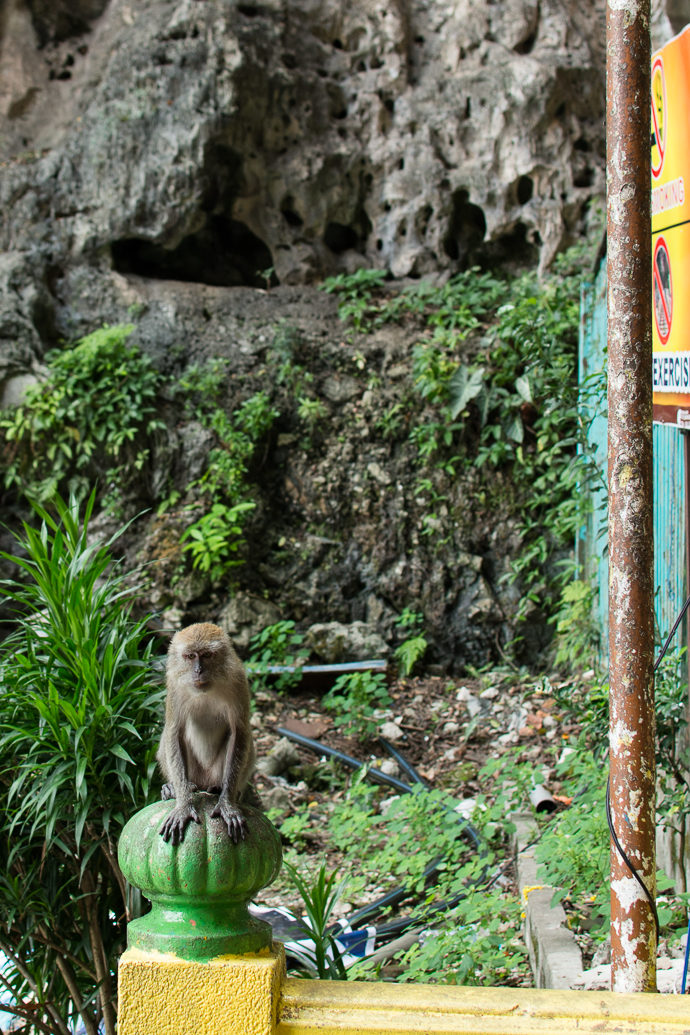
663, 291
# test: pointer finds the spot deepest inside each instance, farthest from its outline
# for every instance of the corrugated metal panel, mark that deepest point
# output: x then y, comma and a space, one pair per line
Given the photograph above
669, 485
669, 525
592, 550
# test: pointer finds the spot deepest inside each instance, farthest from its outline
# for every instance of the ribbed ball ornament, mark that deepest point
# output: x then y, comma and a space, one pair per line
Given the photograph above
199, 890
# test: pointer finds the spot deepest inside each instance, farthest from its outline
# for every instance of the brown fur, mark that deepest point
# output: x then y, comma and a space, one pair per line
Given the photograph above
207, 740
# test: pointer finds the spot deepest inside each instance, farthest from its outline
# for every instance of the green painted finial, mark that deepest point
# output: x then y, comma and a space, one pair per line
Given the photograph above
199, 890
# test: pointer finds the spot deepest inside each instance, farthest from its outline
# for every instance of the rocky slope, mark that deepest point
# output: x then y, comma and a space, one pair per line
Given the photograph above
157, 157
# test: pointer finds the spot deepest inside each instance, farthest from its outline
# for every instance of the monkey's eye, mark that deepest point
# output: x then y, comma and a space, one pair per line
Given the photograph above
189, 657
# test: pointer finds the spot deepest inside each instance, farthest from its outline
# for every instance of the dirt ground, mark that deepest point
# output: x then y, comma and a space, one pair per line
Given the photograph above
448, 729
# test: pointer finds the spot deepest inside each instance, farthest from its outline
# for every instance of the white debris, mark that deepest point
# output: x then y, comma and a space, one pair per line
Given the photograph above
391, 731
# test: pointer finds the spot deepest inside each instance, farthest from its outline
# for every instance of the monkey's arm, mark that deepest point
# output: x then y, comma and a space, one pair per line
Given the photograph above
235, 756
175, 824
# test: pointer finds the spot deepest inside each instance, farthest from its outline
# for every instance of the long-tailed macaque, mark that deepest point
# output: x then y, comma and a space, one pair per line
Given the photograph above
207, 740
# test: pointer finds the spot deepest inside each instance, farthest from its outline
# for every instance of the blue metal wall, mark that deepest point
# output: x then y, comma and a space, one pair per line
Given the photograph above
669, 484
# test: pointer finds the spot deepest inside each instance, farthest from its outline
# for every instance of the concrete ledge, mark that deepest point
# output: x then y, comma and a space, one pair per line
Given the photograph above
361, 1008
554, 955
160, 994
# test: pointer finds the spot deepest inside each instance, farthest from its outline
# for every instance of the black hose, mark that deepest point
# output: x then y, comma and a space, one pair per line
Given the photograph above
672, 633
373, 774
402, 761
609, 817
396, 895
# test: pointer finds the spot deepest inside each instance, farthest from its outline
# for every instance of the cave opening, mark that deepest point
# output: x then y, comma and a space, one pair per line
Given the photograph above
512, 251
466, 229
223, 253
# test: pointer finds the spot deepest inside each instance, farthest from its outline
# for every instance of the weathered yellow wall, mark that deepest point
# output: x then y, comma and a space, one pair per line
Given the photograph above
249, 995
160, 994
359, 1008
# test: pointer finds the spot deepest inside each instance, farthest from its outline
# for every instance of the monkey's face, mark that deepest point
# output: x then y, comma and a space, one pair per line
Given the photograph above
202, 665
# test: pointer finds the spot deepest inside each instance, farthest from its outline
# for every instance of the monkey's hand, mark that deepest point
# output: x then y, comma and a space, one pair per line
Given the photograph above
175, 825
168, 790
232, 817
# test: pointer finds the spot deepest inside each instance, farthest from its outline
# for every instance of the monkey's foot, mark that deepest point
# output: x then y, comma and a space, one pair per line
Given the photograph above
175, 825
232, 817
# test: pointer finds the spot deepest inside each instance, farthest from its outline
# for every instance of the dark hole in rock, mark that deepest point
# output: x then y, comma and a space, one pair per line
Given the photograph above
525, 190
340, 238
287, 209
582, 145
560, 110
419, 40
248, 10
466, 228
56, 20
21, 106
379, 245
289, 60
389, 104
511, 251
338, 44
224, 253
584, 178
527, 45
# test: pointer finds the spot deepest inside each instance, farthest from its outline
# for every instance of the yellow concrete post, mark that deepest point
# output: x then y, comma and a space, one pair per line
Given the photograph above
160, 994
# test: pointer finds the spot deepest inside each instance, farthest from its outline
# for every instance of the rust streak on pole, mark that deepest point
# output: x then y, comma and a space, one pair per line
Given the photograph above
631, 546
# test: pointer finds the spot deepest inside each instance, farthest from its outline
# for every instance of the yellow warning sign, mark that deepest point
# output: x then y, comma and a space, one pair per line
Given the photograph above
670, 123
658, 116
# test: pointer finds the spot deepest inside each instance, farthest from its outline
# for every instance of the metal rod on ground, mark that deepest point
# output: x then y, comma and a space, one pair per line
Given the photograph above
631, 546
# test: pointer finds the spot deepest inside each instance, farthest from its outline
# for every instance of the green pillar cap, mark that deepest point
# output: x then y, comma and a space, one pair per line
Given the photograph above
199, 890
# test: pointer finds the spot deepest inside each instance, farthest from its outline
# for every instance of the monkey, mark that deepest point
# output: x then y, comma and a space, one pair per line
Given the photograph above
207, 741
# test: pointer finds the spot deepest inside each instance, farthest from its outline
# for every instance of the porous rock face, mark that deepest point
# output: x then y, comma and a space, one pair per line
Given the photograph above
206, 140
157, 156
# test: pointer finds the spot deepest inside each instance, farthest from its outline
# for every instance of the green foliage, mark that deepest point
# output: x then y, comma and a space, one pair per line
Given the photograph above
414, 647
290, 374
320, 898
391, 421
96, 402
215, 537
354, 697
79, 723
278, 644
477, 942
573, 852
202, 385
311, 411
511, 408
577, 633
355, 291
293, 828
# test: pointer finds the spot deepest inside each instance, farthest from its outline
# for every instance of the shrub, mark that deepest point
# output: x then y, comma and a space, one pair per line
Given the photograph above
97, 399
79, 719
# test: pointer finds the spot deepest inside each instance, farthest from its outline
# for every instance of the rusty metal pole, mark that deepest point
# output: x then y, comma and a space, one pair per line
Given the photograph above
631, 545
